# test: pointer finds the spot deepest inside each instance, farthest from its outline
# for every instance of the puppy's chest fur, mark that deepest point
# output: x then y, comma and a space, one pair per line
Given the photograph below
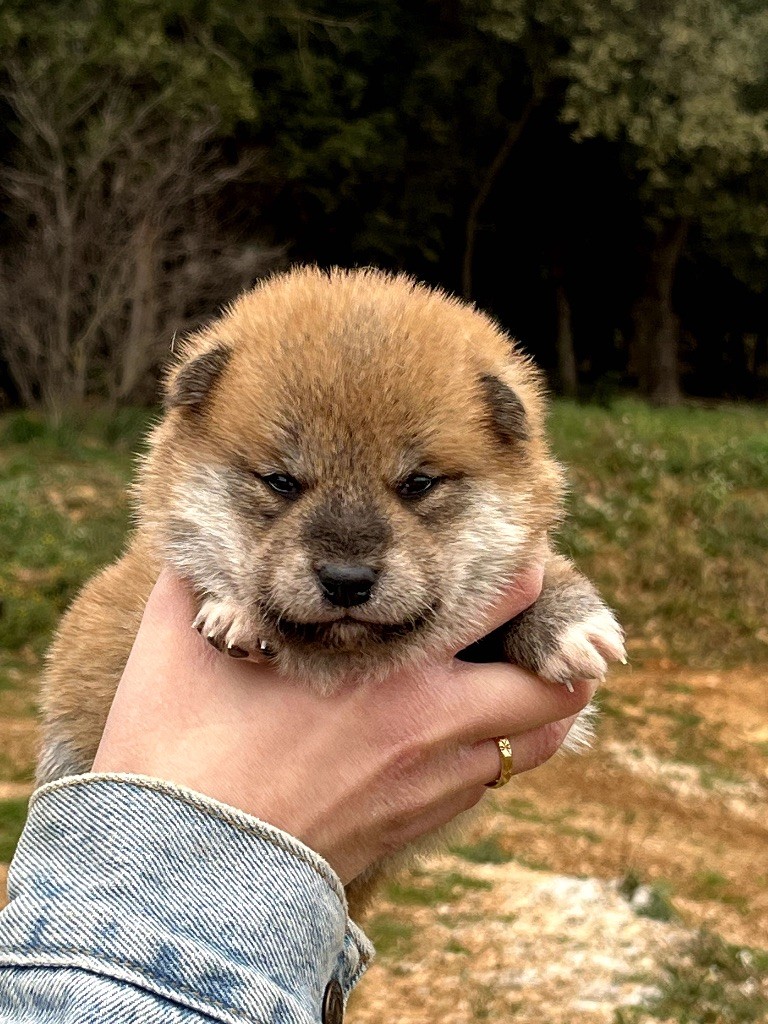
350, 468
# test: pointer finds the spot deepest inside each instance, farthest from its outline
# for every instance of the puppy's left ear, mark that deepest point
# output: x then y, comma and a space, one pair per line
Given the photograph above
507, 415
189, 384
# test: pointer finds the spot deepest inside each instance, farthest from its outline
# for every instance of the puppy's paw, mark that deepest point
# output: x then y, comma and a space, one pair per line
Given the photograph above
584, 649
227, 627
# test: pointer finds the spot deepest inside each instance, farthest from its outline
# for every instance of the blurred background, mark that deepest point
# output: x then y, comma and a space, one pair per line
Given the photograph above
595, 174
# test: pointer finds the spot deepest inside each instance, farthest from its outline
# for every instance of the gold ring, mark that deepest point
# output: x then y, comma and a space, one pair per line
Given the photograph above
505, 753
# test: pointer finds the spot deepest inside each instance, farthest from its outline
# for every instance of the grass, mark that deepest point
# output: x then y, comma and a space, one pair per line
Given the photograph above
689, 738
651, 900
668, 515
430, 889
712, 885
485, 851
490, 851
712, 982
64, 513
391, 937
13, 814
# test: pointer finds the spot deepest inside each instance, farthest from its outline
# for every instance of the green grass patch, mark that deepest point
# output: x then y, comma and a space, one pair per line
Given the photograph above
13, 814
712, 982
609, 704
525, 810
452, 946
711, 885
485, 851
490, 851
65, 514
428, 890
651, 900
391, 938
668, 516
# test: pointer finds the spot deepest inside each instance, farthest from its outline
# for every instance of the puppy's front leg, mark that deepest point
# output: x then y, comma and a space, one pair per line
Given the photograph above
569, 633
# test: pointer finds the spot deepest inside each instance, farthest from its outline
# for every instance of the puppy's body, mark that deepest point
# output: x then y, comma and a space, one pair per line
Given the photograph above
351, 468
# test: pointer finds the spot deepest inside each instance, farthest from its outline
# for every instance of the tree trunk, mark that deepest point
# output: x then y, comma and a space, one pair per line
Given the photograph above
142, 321
486, 186
656, 326
566, 355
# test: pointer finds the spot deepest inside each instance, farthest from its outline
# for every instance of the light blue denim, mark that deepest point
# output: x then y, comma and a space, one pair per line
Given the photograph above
133, 900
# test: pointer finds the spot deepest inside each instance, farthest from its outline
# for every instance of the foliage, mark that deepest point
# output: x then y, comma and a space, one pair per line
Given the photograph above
510, 148
185, 56
64, 514
647, 900
711, 982
680, 86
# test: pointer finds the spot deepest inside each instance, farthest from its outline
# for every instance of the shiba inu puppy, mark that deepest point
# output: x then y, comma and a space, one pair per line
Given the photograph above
351, 466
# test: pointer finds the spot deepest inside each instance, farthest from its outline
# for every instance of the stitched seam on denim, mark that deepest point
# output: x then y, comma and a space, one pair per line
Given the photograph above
141, 968
365, 949
209, 811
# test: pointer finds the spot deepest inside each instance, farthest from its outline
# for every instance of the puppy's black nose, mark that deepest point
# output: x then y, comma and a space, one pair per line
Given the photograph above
346, 585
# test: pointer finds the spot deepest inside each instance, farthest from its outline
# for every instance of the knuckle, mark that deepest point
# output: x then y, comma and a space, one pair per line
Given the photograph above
405, 761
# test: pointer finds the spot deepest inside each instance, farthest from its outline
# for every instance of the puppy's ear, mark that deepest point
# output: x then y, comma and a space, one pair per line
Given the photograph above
507, 414
189, 384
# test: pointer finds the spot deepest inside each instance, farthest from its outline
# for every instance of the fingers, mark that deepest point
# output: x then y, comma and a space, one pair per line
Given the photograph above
529, 750
519, 595
478, 701
465, 773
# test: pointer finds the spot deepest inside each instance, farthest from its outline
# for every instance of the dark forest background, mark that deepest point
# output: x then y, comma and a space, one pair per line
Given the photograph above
593, 172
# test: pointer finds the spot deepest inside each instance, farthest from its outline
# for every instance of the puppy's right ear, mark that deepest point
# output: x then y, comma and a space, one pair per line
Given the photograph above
189, 384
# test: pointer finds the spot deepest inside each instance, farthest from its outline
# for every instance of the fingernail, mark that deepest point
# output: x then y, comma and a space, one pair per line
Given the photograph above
236, 652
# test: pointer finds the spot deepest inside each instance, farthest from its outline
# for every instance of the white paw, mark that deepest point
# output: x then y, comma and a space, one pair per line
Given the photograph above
228, 628
585, 649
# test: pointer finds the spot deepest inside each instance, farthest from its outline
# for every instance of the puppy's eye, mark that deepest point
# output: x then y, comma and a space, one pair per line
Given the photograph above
416, 485
282, 484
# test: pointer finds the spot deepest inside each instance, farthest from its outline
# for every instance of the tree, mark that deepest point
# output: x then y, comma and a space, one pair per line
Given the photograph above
677, 86
116, 247
115, 181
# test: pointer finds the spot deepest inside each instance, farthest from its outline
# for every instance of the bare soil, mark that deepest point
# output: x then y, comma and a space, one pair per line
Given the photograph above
674, 794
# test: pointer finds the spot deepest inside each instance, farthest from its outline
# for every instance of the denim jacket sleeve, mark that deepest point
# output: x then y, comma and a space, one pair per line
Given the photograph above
136, 900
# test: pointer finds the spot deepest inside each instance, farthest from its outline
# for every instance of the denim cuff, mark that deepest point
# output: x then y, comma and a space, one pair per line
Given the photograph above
159, 886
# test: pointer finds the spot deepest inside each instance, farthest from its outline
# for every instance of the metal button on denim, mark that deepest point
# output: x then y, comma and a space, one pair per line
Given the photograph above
333, 1003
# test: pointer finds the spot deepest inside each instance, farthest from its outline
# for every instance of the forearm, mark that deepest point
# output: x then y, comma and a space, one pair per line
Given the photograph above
132, 899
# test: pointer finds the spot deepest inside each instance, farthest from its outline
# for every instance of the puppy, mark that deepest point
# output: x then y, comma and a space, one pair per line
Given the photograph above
350, 468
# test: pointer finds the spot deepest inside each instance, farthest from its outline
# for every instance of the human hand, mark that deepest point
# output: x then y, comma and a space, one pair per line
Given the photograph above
355, 775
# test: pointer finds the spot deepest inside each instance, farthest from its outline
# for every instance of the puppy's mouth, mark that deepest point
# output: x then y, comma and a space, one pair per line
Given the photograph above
348, 632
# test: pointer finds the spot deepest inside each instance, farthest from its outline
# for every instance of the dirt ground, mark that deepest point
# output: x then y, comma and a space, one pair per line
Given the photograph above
523, 919
674, 796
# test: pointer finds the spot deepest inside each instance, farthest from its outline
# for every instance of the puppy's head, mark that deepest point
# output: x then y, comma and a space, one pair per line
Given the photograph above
356, 461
